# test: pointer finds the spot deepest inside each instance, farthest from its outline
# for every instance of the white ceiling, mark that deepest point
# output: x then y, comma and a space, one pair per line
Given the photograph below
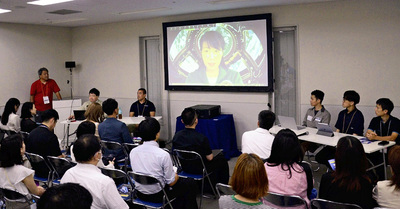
106, 11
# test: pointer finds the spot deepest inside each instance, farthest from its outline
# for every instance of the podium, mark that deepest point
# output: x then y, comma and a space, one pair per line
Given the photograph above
65, 109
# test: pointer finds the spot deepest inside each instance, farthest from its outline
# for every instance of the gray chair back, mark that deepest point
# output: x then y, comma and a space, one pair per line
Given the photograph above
285, 201
327, 204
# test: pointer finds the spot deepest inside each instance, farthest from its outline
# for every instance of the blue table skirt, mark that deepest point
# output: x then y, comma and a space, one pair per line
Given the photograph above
220, 131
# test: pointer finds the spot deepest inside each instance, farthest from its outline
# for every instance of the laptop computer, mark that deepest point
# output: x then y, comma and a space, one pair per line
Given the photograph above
324, 129
289, 122
79, 114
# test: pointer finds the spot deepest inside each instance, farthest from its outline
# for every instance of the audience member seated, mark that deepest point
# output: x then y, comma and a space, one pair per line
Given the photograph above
350, 121
95, 114
349, 182
249, 180
87, 127
191, 140
87, 151
286, 172
42, 140
65, 196
149, 159
387, 193
112, 129
13, 175
259, 141
28, 110
9, 119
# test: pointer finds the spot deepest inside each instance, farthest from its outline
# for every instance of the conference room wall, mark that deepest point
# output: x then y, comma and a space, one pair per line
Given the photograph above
341, 45
26, 48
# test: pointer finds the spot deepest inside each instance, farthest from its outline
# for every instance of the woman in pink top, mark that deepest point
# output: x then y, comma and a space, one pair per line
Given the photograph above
286, 175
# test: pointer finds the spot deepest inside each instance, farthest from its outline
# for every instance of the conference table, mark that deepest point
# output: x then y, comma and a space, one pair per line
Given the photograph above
220, 132
312, 136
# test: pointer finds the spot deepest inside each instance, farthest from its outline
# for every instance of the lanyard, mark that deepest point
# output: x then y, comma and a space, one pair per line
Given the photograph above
380, 124
344, 120
144, 107
44, 92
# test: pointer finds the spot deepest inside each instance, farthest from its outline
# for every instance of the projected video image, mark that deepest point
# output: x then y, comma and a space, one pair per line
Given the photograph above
218, 54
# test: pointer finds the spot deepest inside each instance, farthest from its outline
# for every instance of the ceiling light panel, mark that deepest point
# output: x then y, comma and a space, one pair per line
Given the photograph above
47, 2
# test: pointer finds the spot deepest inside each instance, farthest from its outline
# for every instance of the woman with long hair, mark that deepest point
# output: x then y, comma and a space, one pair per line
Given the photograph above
9, 119
95, 114
28, 110
349, 183
387, 193
13, 175
286, 173
249, 181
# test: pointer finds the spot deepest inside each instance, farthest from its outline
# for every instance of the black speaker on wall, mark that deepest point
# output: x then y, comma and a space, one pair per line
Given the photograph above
70, 64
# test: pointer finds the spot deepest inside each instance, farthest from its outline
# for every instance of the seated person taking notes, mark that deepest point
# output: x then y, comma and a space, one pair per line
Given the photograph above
142, 107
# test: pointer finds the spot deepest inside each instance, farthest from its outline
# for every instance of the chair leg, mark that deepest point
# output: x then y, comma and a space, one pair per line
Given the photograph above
202, 192
212, 188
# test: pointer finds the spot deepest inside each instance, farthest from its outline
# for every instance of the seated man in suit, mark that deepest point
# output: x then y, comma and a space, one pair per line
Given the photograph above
149, 159
87, 151
259, 141
191, 140
112, 129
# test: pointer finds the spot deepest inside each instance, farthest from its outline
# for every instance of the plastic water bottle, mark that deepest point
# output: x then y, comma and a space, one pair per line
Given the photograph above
119, 113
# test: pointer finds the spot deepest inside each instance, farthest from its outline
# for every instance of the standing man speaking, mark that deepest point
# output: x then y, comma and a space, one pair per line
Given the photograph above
42, 92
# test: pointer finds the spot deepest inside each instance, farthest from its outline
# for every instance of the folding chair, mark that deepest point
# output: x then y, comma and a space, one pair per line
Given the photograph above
128, 147
326, 204
195, 158
223, 189
41, 168
148, 180
16, 199
113, 148
284, 201
58, 166
121, 181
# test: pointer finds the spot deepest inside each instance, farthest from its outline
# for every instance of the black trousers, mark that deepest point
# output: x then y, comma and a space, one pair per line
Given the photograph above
184, 190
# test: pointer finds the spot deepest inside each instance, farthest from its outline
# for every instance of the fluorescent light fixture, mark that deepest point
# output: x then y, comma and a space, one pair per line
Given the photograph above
225, 1
144, 11
67, 20
4, 11
47, 2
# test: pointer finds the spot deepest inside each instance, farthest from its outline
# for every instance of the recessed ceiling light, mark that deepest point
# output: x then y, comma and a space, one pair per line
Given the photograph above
4, 11
47, 2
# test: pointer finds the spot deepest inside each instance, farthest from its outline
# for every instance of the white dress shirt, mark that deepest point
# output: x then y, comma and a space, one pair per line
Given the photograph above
104, 192
149, 159
258, 142
386, 195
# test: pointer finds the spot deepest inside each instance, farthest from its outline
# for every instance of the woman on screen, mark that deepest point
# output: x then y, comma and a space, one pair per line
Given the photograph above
212, 70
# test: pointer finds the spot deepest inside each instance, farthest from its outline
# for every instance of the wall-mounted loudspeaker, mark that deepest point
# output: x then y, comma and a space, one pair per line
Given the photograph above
70, 64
